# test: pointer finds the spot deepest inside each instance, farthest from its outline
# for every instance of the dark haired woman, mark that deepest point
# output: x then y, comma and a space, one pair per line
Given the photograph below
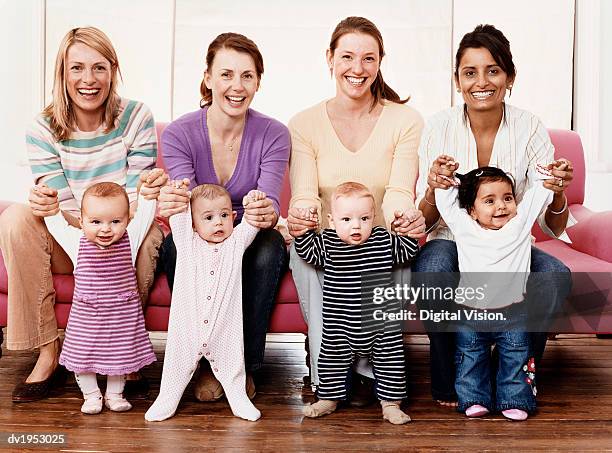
486, 131
227, 143
364, 134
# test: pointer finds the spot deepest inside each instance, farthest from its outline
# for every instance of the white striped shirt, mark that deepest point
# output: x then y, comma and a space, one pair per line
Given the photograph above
521, 142
86, 158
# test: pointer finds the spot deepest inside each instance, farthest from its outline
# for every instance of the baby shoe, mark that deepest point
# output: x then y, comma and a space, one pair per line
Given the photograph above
116, 402
92, 403
515, 414
476, 411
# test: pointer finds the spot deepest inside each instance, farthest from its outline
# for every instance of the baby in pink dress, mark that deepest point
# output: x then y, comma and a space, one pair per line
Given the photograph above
106, 331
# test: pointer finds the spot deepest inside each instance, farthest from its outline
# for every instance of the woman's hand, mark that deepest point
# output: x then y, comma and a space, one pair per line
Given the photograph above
441, 172
174, 198
410, 223
300, 220
260, 212
43, 201
563, 173
151, 183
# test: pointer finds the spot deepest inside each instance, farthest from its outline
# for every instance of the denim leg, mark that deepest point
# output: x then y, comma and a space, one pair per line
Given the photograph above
263, 264
472, 359
167, 260
437, 265
548, 286
512, 389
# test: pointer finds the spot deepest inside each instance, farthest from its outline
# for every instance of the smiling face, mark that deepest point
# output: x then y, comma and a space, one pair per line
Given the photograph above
233, 81
88, 82
355, 63
213, 220
352, 217
494, 205
481, 80
104, 219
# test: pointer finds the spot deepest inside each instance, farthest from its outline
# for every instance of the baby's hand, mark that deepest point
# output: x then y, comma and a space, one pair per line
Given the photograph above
151, 183
309, 214
180, 184
252, 196
409, 223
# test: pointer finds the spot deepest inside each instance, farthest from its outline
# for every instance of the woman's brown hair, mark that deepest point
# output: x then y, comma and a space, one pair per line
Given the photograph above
234, 41
59, 111
354, 24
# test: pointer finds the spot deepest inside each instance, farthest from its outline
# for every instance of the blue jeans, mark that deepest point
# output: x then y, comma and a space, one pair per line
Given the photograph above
263, 264
548, 286
473, 362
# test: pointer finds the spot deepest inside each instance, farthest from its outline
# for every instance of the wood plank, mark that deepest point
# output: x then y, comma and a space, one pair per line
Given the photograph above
574, 410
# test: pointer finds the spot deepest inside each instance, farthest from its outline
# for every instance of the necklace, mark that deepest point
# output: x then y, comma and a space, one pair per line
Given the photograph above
232, 143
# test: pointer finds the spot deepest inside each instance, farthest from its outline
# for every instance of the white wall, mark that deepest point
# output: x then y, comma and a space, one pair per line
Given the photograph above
417, 37
541, 35
162, 44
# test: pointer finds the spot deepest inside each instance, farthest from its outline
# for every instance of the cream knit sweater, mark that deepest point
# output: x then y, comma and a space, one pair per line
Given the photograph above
387, 163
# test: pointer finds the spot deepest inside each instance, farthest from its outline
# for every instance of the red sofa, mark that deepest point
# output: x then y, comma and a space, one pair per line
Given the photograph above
589, 257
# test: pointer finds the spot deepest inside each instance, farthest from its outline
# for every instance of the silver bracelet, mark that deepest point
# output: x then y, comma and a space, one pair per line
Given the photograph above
561, 211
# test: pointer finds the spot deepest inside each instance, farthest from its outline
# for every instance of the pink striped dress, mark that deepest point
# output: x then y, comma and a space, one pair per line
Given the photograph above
106, 331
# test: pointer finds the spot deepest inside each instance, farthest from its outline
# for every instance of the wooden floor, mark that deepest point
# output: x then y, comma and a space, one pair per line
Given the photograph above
575, 411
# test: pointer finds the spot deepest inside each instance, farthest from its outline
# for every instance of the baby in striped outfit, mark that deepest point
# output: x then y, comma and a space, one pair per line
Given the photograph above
106, 330
351, 248
206, 309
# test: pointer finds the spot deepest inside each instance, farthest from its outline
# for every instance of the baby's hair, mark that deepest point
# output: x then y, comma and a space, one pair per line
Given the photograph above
209, 192
471, 181
351, 189
105, 190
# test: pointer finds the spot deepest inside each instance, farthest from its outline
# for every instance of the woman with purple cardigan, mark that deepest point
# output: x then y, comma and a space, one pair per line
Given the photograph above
227, 143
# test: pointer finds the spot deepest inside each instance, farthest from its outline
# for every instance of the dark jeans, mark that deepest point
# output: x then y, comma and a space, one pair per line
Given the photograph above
263, 265
548, 286
473, 360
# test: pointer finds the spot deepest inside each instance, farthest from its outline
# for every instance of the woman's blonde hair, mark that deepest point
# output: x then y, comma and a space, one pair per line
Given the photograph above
59, 111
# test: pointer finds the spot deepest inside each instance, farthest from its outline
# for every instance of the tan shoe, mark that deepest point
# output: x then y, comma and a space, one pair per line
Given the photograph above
250, 386
207, 387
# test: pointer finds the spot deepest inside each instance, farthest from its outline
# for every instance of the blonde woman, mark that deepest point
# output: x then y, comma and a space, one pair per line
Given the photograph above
87, 134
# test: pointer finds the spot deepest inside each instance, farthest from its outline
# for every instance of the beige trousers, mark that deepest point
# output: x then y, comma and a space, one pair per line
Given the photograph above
31, 255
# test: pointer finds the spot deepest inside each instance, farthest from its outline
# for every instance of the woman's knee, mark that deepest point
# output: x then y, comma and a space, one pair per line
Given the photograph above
19, 228
268, 250
439, 255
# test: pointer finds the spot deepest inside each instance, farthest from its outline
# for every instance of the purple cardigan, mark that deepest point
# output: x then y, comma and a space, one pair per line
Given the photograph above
262, 159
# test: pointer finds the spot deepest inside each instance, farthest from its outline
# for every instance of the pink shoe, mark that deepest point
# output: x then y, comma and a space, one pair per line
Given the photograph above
476, 411
515, 414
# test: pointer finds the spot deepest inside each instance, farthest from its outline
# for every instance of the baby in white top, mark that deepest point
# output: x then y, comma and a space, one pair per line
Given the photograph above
206, 309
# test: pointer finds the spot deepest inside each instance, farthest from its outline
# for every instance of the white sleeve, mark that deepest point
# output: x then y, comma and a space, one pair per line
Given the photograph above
245, 233
447, 202
139, 226
67, 236
535, 199
182, 229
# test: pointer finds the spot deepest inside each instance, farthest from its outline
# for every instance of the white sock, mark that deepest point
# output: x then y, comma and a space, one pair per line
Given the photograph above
113, 399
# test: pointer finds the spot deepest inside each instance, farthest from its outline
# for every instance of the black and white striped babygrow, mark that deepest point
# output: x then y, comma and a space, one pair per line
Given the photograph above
344, 339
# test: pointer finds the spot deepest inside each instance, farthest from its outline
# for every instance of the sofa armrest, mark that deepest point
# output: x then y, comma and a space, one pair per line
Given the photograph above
5, 204
593, 232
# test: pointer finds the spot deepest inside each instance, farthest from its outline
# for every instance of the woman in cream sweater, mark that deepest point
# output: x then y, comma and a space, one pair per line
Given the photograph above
364, 134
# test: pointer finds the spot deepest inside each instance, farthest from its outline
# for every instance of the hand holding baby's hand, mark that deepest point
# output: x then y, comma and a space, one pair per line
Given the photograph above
409, 223
151, 183
174, 197
253, 196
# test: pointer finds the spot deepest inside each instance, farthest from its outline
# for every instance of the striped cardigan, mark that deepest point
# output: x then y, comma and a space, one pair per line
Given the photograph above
72, 165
